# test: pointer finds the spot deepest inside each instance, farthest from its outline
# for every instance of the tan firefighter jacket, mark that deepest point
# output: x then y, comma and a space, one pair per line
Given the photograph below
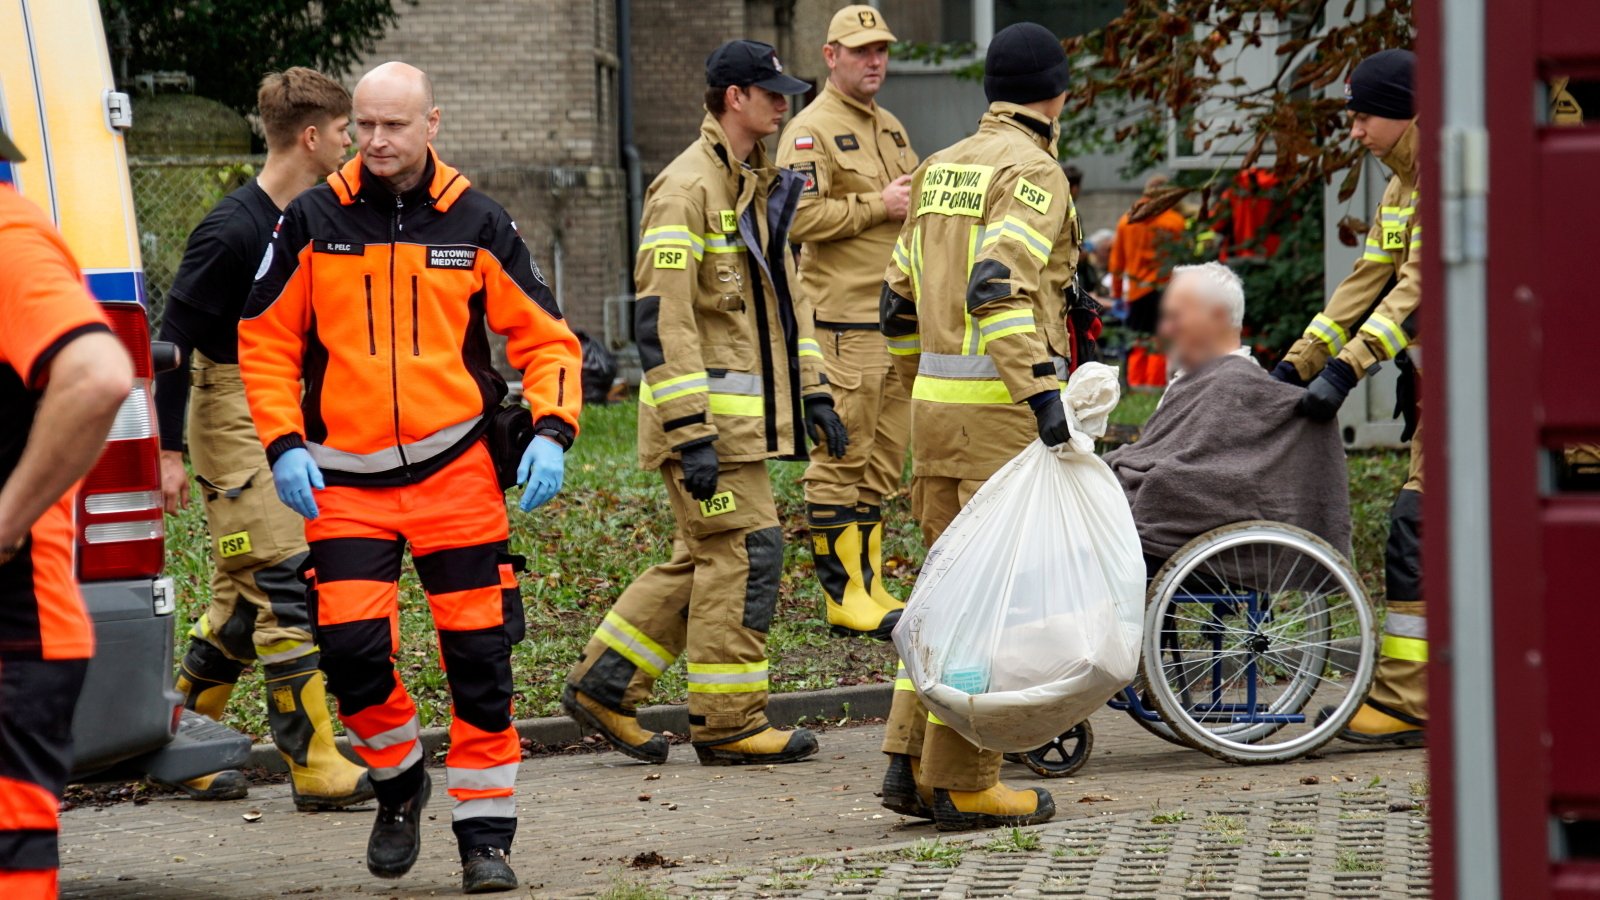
848, 153
726, 349
974, 298
1345, 328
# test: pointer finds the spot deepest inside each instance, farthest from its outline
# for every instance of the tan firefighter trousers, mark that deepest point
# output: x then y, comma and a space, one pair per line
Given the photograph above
949, 760
876, 410
713, 601
258, 604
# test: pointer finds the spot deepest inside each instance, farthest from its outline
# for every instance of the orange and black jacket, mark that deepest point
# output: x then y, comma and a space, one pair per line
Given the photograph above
376, 304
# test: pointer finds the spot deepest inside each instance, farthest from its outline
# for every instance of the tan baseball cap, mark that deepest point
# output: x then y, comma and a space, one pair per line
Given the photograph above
857, 26
9, 151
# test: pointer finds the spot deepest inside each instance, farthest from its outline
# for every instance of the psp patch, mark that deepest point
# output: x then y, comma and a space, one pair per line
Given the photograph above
1394, 237
729, 221
846, 142
809, 170
236, 544
719, 504
452, 257
1037, 198
672, 258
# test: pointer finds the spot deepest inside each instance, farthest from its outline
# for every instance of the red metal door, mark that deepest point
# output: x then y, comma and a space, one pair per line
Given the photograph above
1516, 767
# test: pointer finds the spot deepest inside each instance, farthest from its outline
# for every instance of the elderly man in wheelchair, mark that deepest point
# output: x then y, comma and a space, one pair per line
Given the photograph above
1259, 641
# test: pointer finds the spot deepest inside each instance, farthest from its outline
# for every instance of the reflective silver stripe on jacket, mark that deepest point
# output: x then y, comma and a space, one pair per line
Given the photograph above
1406, 625
390, 458
741, 383
953, 365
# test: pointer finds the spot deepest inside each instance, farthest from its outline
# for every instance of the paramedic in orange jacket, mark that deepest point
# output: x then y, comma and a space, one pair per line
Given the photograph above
1136, 261
373, 298
63, 376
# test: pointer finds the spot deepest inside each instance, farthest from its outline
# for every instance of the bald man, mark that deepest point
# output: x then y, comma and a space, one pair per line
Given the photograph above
365, 356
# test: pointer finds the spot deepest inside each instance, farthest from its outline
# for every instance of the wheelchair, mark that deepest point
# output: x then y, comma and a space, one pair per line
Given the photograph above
1259, 647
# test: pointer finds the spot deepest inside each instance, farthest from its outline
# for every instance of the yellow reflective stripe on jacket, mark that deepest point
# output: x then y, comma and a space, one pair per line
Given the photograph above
673, 236
908, 345
916, 261
1376, 253
1416, 237
736, 394
1325, 329
681, 386
1391, 336
935, 720
1410, 649
959, 390
727, 678
902, 259
809, 347
1023, 233
901, 681
999, 325
634, 645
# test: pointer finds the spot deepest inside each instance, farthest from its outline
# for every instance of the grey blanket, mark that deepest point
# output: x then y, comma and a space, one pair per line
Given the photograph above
1226, 446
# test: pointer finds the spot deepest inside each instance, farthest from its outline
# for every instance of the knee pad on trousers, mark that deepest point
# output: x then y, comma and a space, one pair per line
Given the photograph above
285, 588
608, 678
355, 659
478, 665
206, 662
1403, 553
764, 550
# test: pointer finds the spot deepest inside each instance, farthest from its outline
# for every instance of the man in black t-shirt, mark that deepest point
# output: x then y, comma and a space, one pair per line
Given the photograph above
258, 609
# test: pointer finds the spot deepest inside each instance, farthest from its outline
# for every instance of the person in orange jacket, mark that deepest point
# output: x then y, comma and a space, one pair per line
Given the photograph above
367, 365
1137, 273
63, 376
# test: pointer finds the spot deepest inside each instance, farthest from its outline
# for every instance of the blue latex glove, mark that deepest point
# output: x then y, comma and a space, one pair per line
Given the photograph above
297, 476
543, 466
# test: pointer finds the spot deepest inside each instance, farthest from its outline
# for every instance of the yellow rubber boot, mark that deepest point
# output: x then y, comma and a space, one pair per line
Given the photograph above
764, 747
320, 778
996, 807
621, 730
206, 679
903, 790
836, 550
1379, 725
869, 521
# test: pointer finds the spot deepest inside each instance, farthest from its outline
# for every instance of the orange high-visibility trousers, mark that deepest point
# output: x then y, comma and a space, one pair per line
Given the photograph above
37, 697
455, 522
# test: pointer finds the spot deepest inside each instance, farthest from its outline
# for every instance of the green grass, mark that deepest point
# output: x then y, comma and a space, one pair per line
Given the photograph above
1169, 817
1014, 841
632, 890
935, 851
611, 522
1350, 861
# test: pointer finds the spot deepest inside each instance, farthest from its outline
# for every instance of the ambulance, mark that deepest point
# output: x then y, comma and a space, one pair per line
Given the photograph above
60, 105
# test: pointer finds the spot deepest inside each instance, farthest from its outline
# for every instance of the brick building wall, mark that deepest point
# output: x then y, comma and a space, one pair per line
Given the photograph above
527, 94
671, 40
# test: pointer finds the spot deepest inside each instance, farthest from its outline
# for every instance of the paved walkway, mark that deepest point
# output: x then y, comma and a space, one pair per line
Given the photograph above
593, 824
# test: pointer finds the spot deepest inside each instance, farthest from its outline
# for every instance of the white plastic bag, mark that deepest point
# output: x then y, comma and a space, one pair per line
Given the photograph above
1029, 610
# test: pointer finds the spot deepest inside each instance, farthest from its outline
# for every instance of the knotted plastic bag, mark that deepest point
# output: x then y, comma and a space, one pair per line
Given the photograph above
1028, 613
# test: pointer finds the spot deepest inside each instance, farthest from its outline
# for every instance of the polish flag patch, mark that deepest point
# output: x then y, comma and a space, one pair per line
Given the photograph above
804, 143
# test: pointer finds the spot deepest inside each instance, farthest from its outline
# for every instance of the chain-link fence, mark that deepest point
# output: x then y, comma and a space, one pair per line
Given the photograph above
171, 195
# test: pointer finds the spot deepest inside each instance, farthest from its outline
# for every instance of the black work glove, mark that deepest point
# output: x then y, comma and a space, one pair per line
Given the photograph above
1288, 374
1326, 393
1052, 418
700, 471
825, 426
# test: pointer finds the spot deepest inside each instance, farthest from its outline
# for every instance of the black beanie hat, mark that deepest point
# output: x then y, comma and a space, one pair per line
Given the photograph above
1382, 85
1025, 64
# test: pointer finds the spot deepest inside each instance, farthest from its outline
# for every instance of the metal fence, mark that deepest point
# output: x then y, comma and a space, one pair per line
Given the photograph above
171, 195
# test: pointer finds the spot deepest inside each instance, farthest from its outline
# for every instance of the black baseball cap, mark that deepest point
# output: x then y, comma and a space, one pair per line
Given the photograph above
743, 63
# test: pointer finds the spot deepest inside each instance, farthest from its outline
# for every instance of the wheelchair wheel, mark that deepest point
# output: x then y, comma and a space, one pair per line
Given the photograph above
1250, 629
1061, 757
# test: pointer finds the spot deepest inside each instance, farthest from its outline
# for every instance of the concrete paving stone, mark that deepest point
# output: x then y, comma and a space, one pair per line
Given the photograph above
581, 826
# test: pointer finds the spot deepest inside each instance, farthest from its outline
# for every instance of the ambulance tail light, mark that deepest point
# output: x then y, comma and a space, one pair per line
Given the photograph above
120, 534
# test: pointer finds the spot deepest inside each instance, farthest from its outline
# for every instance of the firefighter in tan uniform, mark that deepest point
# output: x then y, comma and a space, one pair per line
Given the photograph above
1370, 318
732, 378
258, 610
857, 163
973, 307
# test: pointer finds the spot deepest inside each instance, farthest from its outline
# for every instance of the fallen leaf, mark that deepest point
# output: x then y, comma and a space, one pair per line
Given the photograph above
253, 815
1096, 798
653, 776
644, 798
1310, 779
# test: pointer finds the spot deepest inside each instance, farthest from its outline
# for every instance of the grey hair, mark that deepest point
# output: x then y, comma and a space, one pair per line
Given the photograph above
1103, 236
1222, 286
